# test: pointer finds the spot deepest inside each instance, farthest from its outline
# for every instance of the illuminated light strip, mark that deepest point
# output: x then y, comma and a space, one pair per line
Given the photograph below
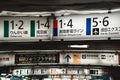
78, 46
88, 26
32, 29
6, 28
55, 29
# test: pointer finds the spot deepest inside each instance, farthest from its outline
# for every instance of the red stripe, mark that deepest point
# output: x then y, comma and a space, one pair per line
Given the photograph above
51, 70
55, 23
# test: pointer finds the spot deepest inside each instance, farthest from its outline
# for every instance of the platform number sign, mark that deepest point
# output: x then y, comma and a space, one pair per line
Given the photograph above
95, 22
87, 26
25, 28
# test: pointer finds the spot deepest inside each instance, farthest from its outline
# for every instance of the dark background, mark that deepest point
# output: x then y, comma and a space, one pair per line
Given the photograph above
53, 5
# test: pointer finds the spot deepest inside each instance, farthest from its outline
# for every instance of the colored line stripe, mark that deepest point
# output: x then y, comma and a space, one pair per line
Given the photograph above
20, 72
27, 71
55, 32
51, 71
32, 28
88, 26
55, 23
6, 28
100, 77
119, 59
55, 28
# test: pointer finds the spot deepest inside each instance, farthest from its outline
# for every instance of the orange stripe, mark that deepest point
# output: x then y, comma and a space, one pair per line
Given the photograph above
57, 76
73, 76
119, 58
76, 58
51, 71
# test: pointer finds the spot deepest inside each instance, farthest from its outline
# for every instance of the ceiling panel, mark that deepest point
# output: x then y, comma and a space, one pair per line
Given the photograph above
53, 5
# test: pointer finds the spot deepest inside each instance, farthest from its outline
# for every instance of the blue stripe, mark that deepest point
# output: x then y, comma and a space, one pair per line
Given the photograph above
88, 26
100, 77
55, 32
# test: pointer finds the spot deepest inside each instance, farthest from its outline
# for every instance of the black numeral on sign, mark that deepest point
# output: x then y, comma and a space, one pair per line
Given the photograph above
47, 24
39, 24
104, 21
61, 23
19, 24
69, 23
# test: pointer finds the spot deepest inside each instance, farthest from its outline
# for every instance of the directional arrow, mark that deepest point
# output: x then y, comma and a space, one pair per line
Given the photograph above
68, 58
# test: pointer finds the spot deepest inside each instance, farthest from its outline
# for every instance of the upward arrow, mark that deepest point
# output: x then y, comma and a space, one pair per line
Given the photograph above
68, 58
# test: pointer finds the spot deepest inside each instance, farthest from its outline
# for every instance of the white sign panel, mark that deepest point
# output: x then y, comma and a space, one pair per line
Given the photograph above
100, 59
72, 71
6, 59
57, 71
19, 72
24, 28
36, 71
89, 58
96, 72
89, 26
70, 58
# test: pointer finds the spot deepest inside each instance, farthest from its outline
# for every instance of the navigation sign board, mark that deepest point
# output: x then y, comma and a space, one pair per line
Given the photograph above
68, 27
34, 71
99, 59
89, 58
86, 26
36, 58
72, 71
21, 72
70, 58
24, 28
6, 59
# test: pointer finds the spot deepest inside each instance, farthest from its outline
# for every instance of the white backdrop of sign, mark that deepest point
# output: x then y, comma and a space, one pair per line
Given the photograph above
53, 71
36, 71
69, 27
89, 58
87, 26
24, 28
6, 59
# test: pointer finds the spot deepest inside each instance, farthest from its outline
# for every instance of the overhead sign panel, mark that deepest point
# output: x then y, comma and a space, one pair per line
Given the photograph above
89, 58
6, 59
87, 26
43, 71
60, 72
24, 28
68, 27
36, 58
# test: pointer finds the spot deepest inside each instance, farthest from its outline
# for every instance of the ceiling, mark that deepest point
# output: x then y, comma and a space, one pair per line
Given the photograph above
108, 45
54, 5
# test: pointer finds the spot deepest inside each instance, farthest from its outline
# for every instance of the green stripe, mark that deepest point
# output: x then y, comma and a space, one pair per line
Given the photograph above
6, 28
27, 71
32, 34
20, 71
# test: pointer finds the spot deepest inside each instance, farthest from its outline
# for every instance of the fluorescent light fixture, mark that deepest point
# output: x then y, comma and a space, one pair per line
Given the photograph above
78, 46
3, 74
